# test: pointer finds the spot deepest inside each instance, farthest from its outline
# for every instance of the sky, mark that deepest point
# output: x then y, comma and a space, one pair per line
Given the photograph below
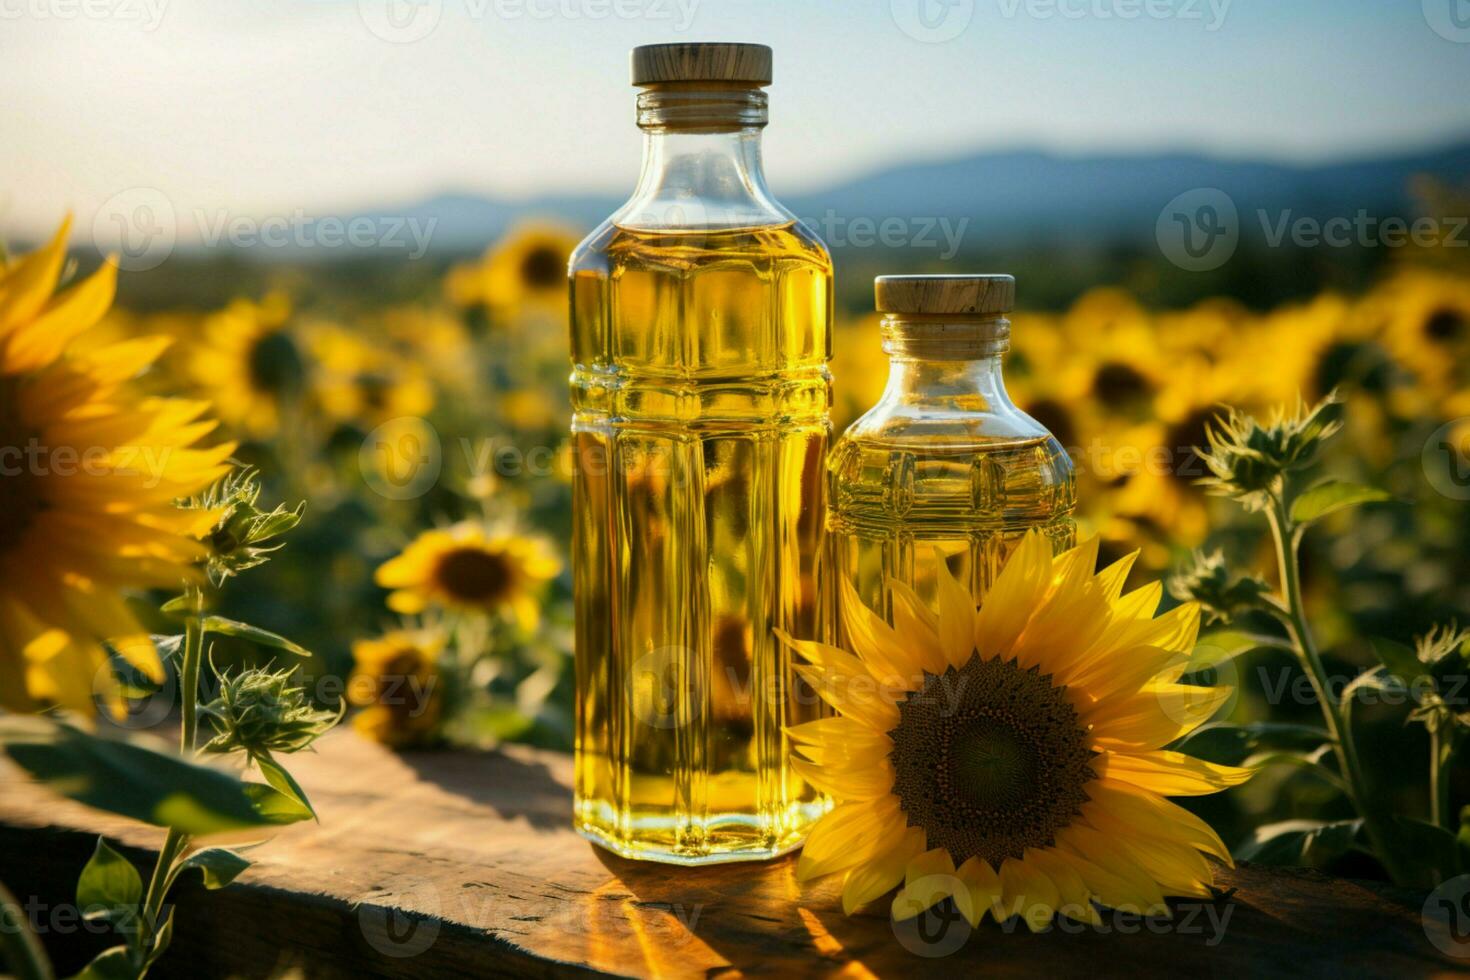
265, 107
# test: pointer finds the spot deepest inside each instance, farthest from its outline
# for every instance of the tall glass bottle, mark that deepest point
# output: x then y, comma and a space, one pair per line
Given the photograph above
944, 466
700, 339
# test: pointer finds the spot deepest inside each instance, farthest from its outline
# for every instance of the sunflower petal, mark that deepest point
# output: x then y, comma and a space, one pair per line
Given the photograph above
870, 880
1170, 773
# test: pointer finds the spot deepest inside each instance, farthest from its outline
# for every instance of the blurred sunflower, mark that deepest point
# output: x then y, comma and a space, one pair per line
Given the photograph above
527, 269
1159, 459
859, 369
364, 384
1426, 319
89, 472
397, 683
250, 363
1013, 757
469, 569
1112, 356
435, 338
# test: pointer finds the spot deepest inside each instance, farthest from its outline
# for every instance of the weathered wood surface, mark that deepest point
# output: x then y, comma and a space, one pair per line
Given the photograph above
463, 864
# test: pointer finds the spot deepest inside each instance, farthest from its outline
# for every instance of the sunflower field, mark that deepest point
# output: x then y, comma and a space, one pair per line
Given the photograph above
421, 415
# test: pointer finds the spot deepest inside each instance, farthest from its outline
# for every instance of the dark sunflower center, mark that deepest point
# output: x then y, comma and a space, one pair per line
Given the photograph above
472, 575
375, 390
989, 759
274, 363
1184, 440
1444, 326
543, 267
1053, 415
22, 495
1119, 385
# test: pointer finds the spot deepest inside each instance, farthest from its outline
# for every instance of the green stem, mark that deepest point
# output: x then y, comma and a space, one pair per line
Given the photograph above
21, 950
177, 842
1441, 751
1288, 540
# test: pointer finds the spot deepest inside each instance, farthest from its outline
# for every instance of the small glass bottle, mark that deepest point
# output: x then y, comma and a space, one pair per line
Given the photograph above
944, 466
700, 339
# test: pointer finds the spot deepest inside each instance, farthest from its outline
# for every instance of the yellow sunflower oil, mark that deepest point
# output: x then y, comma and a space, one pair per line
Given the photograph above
944, 467
700, 339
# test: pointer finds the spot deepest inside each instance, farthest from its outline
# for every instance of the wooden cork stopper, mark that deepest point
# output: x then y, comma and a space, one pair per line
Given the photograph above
939, 295
655, 64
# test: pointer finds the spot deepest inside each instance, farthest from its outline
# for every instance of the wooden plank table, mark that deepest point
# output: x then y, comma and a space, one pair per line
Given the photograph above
463, 864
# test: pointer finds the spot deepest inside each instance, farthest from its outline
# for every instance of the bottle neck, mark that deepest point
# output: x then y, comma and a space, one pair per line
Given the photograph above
945, 387
701, 161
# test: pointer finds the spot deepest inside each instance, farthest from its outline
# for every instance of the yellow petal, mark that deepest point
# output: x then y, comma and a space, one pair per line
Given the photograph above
1169, 773
866, 783
1075, 898
856, 696
956, 618
1014, 595
1027, 891
868, 881
928, 880
913, 621
982, 889
850, 834
1129, 808
874, 641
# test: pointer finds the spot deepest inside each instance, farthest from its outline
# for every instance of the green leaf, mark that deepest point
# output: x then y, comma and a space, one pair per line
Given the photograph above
1399, 660
127, 778
265, 638
1231, 744
110, 964
1330, 497
1463, 837
109, 884
275, 807
20, 950
1430, 849
284, 782
179, 607
1214, 649
162, 937
1304, 842
1308, 762
219, 864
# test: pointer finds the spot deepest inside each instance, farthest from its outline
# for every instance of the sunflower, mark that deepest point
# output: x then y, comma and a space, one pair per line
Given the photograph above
397, 683
361, 383
469, 569
527, 269
89, 472
1156, 464
251, 363
1012, 757
1426, 322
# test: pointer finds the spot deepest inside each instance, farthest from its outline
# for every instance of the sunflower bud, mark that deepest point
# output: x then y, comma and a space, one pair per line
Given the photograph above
1207, 581
1444, 651
244, 535
1249, 460
260, 712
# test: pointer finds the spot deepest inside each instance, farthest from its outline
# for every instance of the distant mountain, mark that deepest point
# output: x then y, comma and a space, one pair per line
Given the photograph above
1026, 198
